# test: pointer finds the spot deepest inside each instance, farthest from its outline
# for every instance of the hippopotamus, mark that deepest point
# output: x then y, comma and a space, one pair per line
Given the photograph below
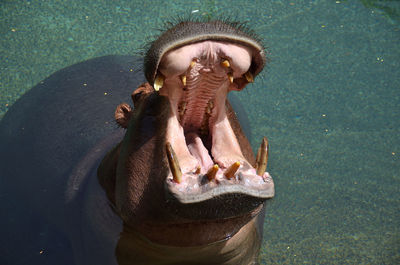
170, 180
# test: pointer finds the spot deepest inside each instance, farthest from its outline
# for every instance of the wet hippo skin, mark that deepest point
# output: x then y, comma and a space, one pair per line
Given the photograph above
170, 180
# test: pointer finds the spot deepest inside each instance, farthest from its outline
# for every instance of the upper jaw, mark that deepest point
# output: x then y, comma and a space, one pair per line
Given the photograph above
190, 32
205, 156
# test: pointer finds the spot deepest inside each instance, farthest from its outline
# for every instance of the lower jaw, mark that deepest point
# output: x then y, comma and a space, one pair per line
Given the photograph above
218, 207
194, 233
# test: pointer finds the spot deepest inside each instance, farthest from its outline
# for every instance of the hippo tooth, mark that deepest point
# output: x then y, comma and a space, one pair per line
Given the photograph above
183, 78
262, 157
198, 169
212, 172
225, 63
249, 77
230, 77
230, 172
158, 82
173, 163
192, 63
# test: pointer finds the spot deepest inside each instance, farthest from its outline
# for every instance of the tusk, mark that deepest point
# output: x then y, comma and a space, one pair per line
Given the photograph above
249, 77
183, 78
230, 172
262, 157
225, 63
212, 172
230, 77
158, 82
173, 163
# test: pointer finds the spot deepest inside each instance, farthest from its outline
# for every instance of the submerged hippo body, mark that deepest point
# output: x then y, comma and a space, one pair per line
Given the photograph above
177, 184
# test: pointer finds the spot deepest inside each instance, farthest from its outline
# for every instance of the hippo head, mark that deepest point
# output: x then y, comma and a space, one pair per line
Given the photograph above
185, 173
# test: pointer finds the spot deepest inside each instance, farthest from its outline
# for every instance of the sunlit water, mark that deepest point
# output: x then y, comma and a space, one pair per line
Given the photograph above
328, 101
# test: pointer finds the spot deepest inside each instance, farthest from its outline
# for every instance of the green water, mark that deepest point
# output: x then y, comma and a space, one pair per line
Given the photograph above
329, 102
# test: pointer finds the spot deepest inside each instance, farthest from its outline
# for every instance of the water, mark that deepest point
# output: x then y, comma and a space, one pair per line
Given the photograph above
328, 101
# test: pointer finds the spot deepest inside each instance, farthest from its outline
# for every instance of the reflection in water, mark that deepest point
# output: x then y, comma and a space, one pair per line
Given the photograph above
237, 250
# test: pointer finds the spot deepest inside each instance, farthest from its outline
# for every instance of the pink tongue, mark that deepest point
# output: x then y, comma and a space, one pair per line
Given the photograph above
199, 151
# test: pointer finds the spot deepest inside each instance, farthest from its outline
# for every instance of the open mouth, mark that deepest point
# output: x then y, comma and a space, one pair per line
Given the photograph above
204, 154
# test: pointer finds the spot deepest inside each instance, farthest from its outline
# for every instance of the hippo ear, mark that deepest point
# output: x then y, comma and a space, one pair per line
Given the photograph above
123, 114
141, 92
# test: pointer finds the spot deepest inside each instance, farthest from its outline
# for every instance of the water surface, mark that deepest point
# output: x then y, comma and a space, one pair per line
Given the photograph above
328, 101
